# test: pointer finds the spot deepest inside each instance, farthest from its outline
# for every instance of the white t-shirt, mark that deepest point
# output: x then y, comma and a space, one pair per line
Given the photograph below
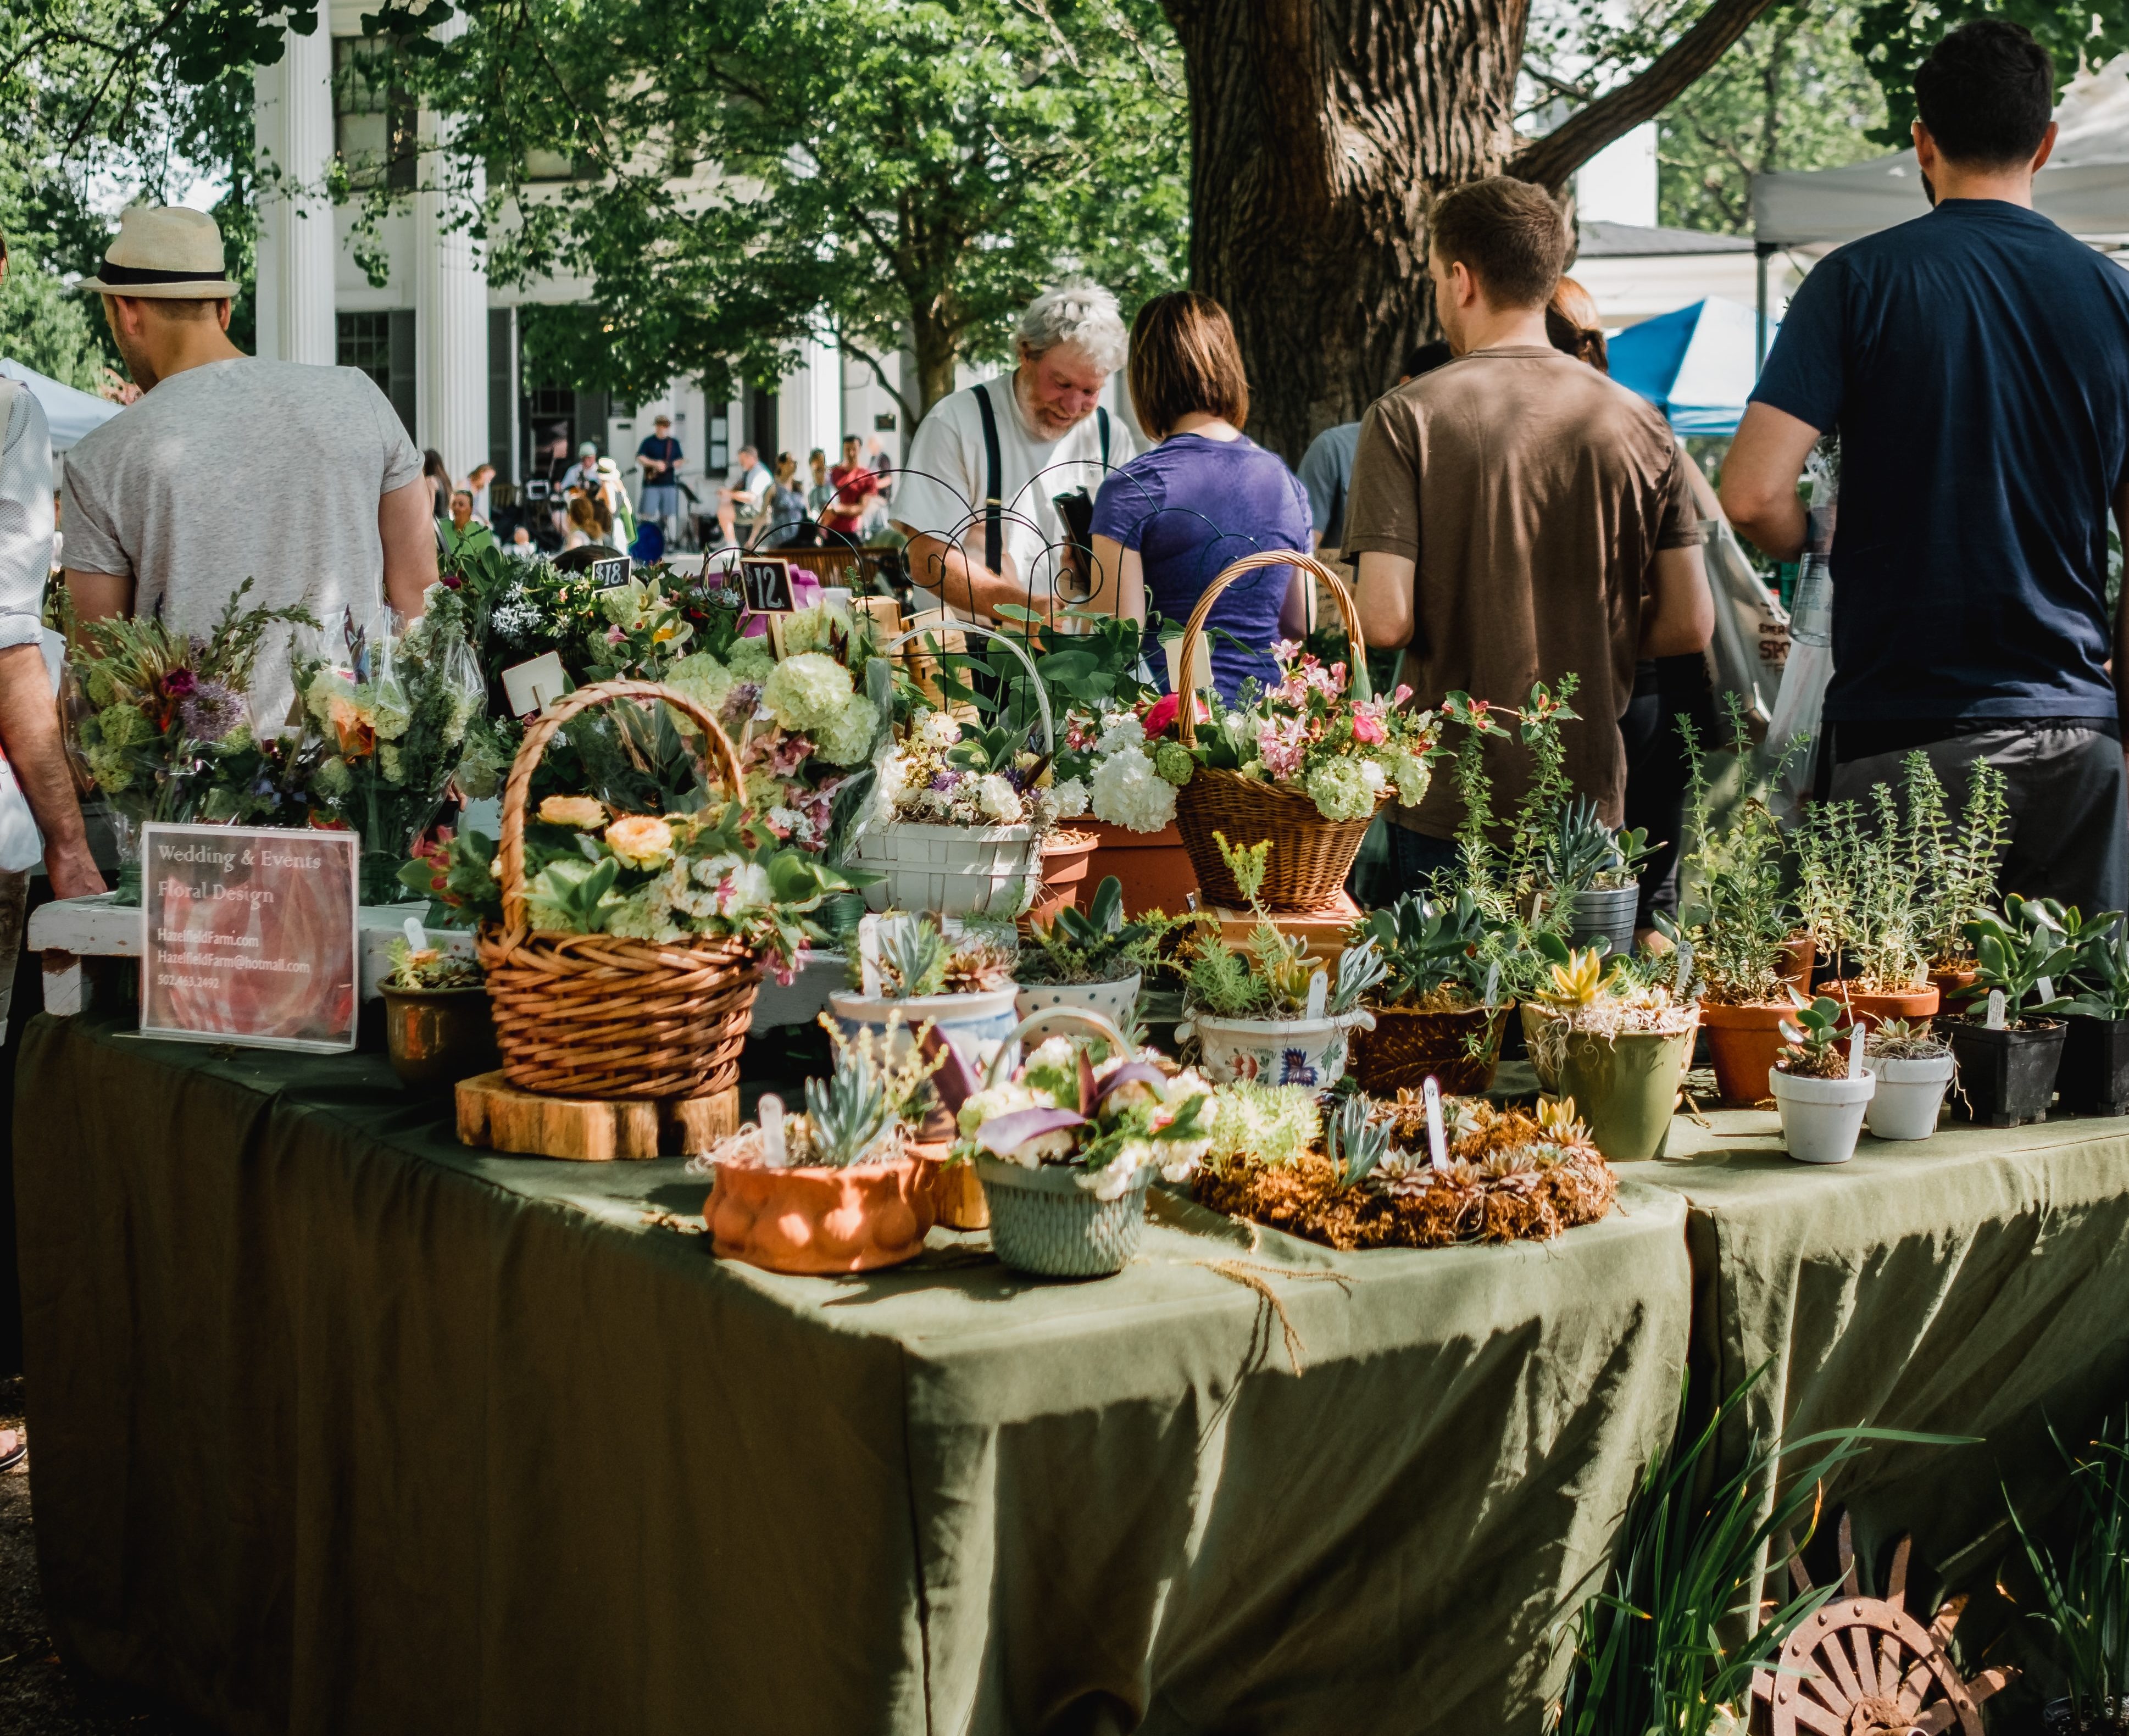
168, 495
752, 489
939, 491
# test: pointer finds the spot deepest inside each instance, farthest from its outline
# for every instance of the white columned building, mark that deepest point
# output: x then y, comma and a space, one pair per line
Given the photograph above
451, 317
296, 241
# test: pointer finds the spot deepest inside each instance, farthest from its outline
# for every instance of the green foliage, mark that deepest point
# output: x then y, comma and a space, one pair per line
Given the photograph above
2086, 1588
1096, 945
848, 1111
2100, 973
45, 325
1895, 36
912, 957
2031, 940
1958, 865
1429, 945
1818, 1039
1582, 852
1354, 1146
1730, 880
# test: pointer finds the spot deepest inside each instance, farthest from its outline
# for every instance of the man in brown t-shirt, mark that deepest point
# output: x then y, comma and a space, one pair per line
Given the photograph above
1519, 516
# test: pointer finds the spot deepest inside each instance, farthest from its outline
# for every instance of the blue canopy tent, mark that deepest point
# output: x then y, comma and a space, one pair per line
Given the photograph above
1697, 365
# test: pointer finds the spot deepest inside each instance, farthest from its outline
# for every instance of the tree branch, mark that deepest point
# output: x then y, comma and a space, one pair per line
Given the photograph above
909, 416
1551, 160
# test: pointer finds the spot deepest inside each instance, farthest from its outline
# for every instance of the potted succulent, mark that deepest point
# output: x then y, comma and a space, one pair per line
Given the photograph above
2007, 1069
1438, 1010
438, 1029
1592, 868
1741, 928
1914, 1068
1821, 1103
1093, 960
2094, 1079
835, 1189
1066, 1145
1257, 1010
1617, 1044
960, 983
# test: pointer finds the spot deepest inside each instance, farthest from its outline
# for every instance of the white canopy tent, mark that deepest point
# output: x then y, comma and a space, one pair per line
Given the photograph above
70, 414
2084, 188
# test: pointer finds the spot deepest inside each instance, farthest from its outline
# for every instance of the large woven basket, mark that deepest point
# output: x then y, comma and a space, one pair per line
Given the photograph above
1310, 855
595, 1016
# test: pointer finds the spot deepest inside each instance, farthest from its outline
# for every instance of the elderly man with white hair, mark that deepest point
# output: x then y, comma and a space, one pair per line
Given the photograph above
976, 495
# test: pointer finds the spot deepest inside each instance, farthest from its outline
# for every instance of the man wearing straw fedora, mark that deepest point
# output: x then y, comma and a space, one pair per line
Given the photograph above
156, 524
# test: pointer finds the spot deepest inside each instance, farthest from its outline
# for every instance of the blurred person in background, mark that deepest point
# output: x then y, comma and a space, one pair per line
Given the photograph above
1326, 467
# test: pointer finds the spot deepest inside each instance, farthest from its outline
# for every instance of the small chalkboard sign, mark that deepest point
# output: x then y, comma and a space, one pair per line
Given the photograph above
248, 936
764, 581
606, 574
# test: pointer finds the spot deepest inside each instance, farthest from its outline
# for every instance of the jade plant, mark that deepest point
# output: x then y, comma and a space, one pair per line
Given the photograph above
2031, 947
1817, 1045
2099, 978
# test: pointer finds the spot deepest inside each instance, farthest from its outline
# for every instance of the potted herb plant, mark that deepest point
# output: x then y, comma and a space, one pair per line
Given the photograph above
1821, 1106
834, 1189
438, 1029
1958, 865
1438, 1010
2094, 1079
1617, 1044
2008, 1070
1867, 897
1915, 1068
1094, 961
1256, 1010
1592, 868
1066, 1145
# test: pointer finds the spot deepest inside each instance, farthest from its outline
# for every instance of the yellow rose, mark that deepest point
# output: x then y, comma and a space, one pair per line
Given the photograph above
640, 840
580, 811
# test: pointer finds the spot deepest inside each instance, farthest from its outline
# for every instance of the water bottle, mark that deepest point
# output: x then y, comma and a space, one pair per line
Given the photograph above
1811, 610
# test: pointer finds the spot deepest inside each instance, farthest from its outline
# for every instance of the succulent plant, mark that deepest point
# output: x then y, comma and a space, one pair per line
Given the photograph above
848, 1112
912, 957
1584, 852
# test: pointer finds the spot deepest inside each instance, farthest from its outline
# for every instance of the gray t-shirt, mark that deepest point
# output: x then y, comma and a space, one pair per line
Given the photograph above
1327, 472
170, 494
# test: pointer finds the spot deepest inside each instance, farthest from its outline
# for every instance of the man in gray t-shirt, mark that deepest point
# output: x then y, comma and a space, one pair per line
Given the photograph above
160, 516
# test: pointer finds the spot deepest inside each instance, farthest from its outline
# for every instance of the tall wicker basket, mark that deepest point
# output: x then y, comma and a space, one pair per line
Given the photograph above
594, 1016
1310, 855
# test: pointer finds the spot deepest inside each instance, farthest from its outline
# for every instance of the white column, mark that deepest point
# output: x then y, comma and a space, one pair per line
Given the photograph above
293, 116
809, 404
451, 317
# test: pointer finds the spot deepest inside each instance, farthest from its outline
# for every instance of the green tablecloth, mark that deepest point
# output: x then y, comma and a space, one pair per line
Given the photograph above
340, 1427
1976, 1283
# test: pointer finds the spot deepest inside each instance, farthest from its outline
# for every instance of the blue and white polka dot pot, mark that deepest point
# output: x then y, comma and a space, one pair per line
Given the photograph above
1114, 1001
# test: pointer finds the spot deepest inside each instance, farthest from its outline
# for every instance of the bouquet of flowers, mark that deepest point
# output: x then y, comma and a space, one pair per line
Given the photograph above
395, 706
1343, 747
1111, 1120
154, 716
661, 878
943, 771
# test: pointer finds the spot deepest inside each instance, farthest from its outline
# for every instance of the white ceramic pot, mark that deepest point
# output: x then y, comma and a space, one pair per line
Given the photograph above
952, 870
1113, 1001
1821, 1118
1309, 1052
977, 1022
1908, 1096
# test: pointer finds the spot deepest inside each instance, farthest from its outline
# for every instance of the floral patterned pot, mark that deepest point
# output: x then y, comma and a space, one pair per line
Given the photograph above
1311, 1052
1043, 1222
1114, 1001
807, 1220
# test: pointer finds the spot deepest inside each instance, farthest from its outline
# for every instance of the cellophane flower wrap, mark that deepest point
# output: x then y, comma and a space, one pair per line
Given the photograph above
1315, 730
1112, 1119
713, 875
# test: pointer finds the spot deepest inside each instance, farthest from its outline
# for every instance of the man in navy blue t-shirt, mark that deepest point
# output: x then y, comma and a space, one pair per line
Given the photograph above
1975, 363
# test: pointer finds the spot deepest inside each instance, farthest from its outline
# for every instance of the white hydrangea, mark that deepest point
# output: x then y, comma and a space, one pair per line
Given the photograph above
703, 679
1125, 790
805, 692
1373, 775
938, 730
1120, 730
1052, 1052
1069, 798
846, 738
1339, 791
750, 886
751, 659
997, 798
893, 783
1412, 775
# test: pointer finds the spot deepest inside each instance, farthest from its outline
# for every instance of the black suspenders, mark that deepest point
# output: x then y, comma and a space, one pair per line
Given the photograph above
993, 501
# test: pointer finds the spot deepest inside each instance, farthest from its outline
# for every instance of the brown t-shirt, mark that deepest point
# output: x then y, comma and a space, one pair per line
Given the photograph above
1532, 493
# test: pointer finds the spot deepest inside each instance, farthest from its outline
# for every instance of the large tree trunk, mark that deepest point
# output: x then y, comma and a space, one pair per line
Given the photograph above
933, 344
1320, 130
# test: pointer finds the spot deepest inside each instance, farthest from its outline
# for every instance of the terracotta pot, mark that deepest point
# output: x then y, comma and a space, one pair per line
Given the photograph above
1406, 1046
1801, 952
1154, 866
1064, 875
1950, 986
1743, 1042
807, 1220
1871, 1011
957, 1195
439, 1036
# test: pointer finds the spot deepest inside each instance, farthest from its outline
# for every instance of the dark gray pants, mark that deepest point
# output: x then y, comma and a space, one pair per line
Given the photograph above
2069, 798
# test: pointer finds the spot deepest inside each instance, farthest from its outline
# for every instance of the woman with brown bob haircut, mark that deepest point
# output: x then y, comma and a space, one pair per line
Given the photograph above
1167, 522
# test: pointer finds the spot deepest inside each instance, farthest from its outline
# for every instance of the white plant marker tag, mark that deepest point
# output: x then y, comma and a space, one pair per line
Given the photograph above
1995, 1009
1437, 1146
1493, 987
417, 937
2046, 989
1319, 993
1855, 1054
868, 957
771, 1112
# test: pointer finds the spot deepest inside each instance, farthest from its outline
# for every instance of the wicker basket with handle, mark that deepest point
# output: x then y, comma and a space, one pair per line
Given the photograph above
1310, 855
596, 1016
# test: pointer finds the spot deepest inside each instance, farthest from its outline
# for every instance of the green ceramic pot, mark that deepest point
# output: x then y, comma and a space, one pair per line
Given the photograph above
437, 1037
1626, 1087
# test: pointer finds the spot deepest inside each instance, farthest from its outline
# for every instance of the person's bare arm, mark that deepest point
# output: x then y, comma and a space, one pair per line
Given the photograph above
1297, 612
950, 572
408, 529
98, 596
1760, 479
30, 736
1384, 598
1678, 617
1119, 587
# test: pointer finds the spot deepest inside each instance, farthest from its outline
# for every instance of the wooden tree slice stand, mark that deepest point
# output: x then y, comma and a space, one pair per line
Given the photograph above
494, 1113
1323, 931
1864, 1667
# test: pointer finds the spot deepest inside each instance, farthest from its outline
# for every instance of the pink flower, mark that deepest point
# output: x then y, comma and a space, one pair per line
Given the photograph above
615, 636
1403, 694
1162, 714
1367, 724
1280, 744
1284, 650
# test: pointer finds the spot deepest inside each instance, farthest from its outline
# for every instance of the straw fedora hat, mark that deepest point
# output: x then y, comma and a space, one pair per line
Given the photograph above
165, 253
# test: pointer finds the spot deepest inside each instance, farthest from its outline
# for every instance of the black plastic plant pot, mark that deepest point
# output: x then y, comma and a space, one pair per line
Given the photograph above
1608, 912
2094, 1080
2008, 1077
2059, 1718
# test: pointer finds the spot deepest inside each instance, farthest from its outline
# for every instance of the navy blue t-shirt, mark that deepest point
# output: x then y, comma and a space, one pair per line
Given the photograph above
1976, 363
1192, 505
